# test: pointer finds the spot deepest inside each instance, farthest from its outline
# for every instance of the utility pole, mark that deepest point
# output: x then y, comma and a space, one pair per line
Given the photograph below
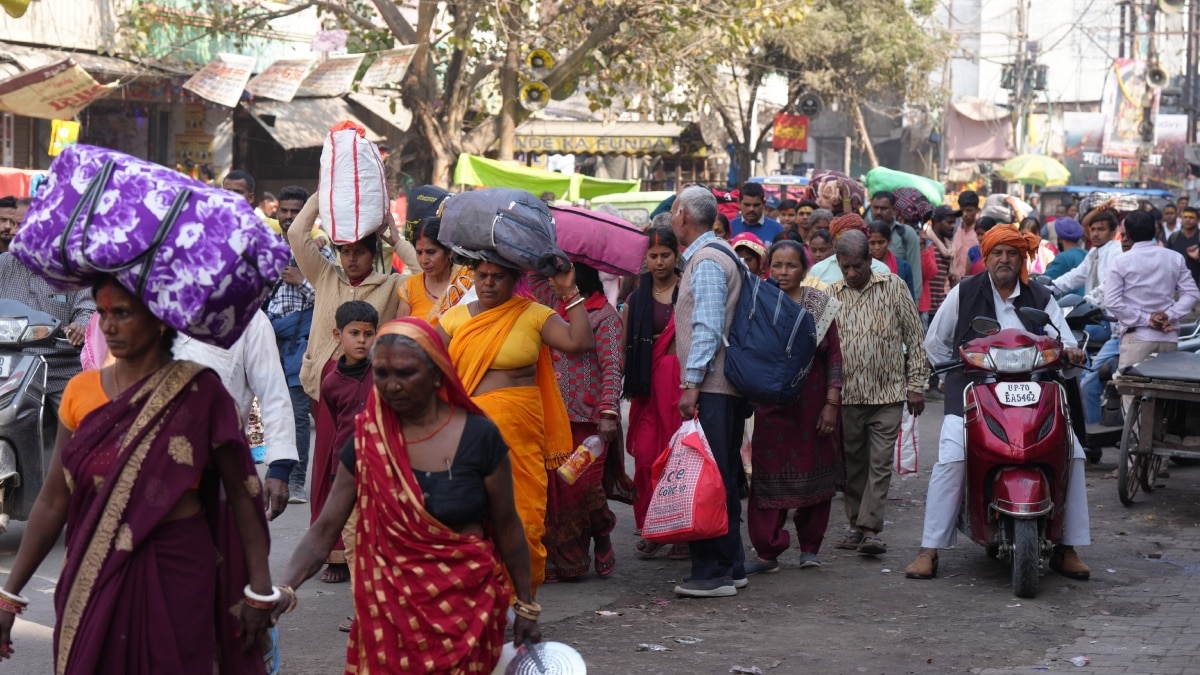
1019, 77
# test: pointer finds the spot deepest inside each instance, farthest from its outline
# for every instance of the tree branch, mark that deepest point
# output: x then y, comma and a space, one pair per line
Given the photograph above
257, 20
389, 10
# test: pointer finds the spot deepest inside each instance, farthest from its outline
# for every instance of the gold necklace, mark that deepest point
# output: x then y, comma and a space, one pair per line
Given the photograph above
666, 290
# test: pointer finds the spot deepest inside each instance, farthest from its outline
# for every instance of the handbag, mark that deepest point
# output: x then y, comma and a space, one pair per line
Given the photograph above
689, 494
198, 256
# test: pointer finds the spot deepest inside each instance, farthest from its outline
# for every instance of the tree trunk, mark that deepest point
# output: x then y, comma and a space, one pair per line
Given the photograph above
509, 91
745, 157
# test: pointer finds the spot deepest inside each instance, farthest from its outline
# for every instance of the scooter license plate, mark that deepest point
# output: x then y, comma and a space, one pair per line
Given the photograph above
1018, 394
6, 364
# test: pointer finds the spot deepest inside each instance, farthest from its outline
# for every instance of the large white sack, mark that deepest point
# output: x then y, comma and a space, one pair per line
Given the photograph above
353, 192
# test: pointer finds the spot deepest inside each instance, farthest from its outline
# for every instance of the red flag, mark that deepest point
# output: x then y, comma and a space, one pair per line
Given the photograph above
791, 132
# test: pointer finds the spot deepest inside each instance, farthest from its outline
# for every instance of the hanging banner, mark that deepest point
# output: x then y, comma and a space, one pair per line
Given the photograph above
332, 77
389, 67
791, 132
1122, 108
281, 80
57, 91
223, 80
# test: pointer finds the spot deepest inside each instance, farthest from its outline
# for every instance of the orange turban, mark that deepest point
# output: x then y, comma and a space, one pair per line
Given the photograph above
845, 223
1004, 234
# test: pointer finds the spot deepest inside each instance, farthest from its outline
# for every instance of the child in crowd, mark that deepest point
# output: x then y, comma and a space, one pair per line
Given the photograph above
344, 391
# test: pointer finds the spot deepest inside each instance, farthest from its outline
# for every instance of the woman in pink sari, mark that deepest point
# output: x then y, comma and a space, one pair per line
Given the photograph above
166, 560
652, 372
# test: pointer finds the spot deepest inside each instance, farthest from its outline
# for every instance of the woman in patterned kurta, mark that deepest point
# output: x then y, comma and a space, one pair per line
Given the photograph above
578, 515
796, 447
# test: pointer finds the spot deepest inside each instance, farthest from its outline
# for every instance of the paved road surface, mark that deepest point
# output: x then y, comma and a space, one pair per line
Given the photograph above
855, 615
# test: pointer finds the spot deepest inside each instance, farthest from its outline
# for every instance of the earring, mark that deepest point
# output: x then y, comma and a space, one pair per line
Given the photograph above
162, 329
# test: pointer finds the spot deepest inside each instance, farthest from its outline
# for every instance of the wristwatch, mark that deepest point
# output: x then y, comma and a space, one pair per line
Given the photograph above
688, 385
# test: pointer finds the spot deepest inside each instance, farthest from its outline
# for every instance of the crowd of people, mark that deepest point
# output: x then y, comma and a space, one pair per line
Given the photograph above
439, 398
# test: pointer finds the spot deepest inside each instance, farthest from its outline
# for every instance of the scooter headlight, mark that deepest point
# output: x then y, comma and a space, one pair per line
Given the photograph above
1014, 360
12, 328
17, 330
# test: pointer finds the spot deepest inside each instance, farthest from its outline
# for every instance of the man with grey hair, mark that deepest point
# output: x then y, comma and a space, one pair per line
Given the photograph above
708, 294
877, 322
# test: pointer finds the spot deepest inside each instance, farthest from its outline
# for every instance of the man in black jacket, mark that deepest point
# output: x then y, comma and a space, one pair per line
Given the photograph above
996, 295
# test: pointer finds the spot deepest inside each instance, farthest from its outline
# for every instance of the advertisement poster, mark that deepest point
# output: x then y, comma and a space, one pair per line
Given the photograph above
389, 67
281, 80
332, 77
1089, 164
1123, 106
57, 91
223, 80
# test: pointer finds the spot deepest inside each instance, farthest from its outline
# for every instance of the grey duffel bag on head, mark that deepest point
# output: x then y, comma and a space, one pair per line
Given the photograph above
513, 224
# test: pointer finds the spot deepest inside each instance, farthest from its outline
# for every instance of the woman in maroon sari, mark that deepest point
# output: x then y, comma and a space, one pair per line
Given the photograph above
163, 566
795, 448
652, 373
437, 526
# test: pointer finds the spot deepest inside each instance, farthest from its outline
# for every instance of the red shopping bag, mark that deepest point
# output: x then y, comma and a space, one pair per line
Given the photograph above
689, 496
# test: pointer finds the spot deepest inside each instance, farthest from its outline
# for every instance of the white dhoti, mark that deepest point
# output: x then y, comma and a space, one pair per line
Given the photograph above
946, 486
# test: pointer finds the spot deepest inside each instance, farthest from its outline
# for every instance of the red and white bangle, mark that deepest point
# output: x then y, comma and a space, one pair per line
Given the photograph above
12, 602
262, 601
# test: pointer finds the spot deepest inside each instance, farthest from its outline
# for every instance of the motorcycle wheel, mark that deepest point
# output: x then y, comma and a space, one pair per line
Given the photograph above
1129, 465
1026, 558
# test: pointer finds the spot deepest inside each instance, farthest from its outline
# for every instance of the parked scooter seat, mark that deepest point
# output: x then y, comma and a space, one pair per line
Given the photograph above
1179, 366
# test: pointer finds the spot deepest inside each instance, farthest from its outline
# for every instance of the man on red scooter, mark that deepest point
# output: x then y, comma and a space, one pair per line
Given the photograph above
998, 294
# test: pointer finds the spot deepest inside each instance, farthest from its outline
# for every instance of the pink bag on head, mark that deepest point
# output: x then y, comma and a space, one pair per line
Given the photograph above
689, 495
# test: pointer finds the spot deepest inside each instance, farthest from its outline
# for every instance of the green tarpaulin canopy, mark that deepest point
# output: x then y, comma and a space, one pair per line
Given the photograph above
483, 172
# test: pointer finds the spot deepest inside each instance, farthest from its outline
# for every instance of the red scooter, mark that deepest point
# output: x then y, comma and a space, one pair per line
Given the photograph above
1018, 445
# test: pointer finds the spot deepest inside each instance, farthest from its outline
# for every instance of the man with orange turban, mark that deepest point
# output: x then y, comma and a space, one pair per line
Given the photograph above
998, 294
827, 270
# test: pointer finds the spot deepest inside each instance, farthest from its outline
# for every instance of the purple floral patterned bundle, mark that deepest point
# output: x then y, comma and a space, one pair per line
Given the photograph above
198, 256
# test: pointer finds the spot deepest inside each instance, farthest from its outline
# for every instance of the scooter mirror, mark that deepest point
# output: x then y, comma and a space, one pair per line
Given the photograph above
985, 326
1035, 316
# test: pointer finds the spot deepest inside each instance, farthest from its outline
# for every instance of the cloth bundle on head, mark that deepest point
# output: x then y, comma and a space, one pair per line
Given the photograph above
845, 223
830, 188
912, 207
1068, 228
1003, 234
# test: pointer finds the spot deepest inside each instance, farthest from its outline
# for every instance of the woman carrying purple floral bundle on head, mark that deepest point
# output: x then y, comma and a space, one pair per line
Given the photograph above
166, 553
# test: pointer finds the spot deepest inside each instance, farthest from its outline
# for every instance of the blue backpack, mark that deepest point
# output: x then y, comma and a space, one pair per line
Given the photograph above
771, 343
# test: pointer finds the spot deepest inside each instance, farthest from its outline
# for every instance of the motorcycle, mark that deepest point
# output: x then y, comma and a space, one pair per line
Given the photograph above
1018, 445
26, 432
1079, 314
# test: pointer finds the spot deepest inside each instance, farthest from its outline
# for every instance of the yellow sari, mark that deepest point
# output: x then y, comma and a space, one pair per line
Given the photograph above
532, 420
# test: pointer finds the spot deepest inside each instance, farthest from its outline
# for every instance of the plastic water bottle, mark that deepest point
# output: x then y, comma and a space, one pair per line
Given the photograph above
583, 457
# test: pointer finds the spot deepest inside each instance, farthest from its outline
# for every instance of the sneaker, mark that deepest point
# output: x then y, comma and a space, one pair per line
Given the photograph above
762, 567
737, 583
809, 560
707, 588
297, 495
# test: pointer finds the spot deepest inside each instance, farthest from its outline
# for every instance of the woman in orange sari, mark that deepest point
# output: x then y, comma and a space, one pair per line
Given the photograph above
432, 481
441, 283
500, 345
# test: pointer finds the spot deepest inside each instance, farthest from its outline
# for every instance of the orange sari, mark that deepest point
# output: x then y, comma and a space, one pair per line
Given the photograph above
532, 420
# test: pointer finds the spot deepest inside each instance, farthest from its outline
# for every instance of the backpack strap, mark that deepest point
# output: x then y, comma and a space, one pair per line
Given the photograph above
736, 260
